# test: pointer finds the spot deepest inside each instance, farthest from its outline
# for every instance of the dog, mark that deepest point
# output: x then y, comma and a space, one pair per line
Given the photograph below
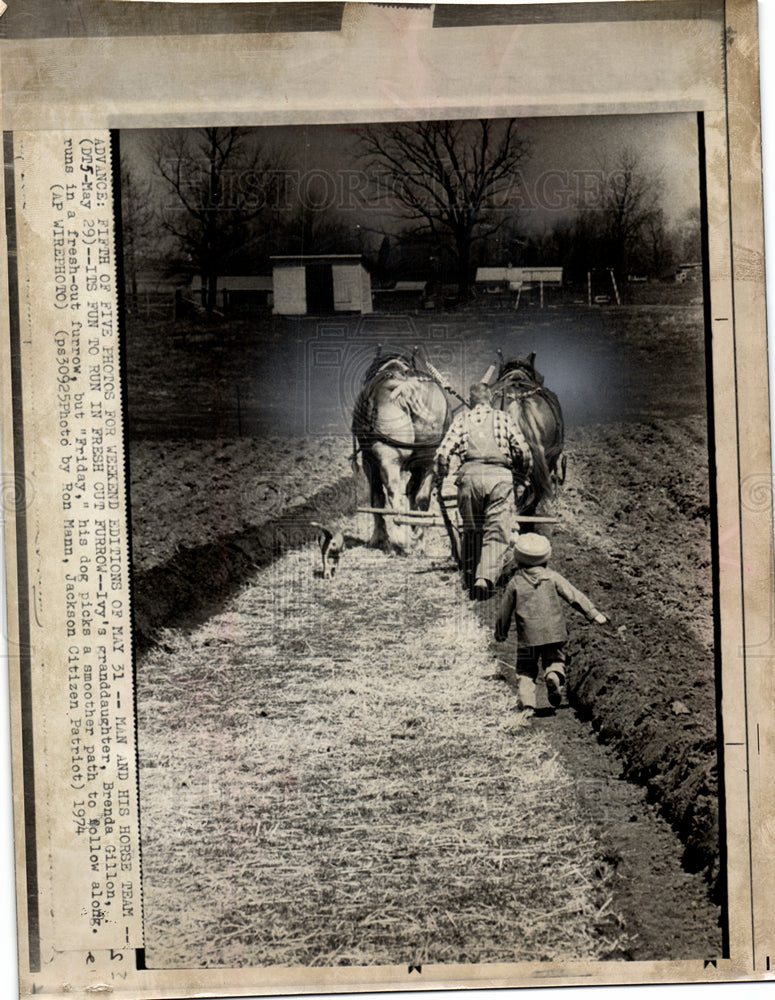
331, 549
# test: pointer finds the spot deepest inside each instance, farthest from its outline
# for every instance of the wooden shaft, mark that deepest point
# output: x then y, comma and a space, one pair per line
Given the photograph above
424, 515
389, 512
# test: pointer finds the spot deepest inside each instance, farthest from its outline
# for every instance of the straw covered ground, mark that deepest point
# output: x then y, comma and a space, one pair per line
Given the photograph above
331, 775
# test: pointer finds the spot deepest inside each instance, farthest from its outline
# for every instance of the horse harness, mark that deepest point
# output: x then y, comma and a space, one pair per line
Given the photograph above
518, 389
531, 389
382, 373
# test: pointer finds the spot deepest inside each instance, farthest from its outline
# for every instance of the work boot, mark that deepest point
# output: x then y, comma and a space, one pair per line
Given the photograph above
555, 682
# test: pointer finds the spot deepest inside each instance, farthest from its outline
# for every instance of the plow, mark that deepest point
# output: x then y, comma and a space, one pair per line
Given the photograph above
447, 517
411, 402
432, 519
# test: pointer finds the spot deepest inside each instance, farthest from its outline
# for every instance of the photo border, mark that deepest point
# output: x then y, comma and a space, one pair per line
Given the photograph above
755, 545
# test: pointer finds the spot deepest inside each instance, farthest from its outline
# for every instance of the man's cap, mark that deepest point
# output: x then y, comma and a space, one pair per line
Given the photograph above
479, 391
532, 549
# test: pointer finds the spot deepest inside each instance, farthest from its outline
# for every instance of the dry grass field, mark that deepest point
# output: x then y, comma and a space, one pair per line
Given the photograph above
331, 776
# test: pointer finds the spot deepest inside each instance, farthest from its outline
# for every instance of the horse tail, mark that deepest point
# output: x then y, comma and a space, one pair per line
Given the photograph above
539, 484
356, 452
554, 448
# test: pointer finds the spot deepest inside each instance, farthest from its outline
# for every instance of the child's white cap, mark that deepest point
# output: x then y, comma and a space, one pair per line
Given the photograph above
532, 549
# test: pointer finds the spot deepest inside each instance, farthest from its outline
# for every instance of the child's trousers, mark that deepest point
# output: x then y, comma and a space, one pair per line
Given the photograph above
529, 661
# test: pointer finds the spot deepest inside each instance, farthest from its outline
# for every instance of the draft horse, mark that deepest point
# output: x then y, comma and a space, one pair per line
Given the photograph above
536, 410
399, 419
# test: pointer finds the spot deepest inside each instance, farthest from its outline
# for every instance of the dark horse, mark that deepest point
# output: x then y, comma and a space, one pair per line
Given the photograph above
536, 410
399, 419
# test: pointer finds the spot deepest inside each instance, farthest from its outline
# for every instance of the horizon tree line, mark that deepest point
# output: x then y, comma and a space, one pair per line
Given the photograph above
443, 198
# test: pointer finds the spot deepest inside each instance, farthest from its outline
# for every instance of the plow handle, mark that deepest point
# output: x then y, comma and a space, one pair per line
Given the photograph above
451, 533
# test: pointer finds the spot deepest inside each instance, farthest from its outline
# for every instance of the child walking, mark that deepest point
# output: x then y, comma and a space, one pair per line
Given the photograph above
532, 597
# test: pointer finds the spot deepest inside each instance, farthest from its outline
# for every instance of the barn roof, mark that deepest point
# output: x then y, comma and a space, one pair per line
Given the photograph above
317, 258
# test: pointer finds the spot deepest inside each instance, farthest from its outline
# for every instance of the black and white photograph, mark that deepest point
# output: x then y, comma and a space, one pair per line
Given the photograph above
386, 386
387, 496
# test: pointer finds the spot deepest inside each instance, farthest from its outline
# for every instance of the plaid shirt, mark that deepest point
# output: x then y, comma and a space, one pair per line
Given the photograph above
508, 438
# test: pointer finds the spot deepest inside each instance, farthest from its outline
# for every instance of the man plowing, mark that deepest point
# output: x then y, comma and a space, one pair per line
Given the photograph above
494, 459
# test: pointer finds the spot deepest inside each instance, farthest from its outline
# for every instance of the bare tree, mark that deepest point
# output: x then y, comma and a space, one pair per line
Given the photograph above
220, 180
324, 231
689, 236
449, 180
659, 247
139, 228
628, 207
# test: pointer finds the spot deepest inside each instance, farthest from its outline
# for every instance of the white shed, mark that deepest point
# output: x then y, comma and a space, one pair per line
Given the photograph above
320, 283
518, 277
542, 275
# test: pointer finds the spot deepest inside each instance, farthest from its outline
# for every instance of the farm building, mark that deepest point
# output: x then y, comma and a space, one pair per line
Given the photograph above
515, 278
237, 289
321, 283
688, 272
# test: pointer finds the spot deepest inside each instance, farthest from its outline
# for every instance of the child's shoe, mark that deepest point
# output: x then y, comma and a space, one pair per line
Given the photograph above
554, 685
